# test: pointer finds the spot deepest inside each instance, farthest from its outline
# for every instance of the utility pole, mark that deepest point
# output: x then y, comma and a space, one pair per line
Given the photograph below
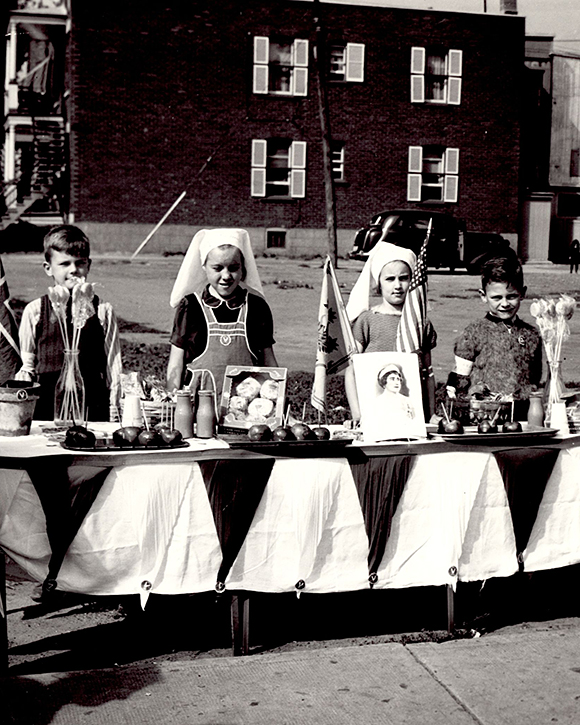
320, 73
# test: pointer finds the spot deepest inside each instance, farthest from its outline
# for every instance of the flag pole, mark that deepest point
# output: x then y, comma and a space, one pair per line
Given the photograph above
159, 223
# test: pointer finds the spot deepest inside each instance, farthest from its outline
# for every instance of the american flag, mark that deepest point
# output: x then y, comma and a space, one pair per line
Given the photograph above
9, 352
412, 324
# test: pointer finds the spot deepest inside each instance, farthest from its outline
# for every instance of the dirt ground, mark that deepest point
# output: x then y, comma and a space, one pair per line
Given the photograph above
81, 633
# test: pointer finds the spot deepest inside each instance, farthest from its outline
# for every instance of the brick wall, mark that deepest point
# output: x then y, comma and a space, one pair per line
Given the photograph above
162, 102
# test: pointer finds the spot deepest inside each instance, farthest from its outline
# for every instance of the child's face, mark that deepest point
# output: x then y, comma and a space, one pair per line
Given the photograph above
66, 269
503, 301
224, 270
394, 281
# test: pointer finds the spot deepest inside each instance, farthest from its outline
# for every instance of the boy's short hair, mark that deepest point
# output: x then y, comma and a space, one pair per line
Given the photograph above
503, 269
68, 239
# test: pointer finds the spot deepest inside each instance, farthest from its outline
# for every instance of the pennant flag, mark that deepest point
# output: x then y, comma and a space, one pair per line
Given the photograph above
414, 315
336, 343
9, 351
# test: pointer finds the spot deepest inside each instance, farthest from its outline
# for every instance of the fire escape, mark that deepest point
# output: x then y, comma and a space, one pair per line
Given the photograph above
35, 151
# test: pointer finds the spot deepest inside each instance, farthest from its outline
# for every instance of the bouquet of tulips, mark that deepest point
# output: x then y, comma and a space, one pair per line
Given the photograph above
70, 393
552, 317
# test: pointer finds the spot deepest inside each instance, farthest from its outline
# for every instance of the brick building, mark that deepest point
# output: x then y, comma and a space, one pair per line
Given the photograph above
220, 99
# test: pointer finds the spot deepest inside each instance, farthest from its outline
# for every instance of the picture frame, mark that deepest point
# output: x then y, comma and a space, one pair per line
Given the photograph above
393, 410
247, 394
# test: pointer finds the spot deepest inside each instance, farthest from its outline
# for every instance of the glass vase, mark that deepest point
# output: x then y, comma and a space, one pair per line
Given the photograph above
69, 393
554, 386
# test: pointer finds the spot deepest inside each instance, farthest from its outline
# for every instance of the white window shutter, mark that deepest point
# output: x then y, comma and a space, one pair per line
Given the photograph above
298, 183
300, 53
298, 155
451, 161
415, 159
260, 82
451, 188
258, 182
417, 61
261, 49
299, 81
414, 187
355, 62
261, 58
455, 62
259, 152
454, 91
417, 89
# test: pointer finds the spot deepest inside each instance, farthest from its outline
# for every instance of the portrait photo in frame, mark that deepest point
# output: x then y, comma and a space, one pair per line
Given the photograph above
388, 386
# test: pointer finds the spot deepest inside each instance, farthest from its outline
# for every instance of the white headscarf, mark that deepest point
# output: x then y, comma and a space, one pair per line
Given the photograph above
191, 276
382, 253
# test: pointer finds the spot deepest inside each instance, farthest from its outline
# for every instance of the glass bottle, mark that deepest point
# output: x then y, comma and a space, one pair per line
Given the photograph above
536, 409
183, 421
69, 393
205, 417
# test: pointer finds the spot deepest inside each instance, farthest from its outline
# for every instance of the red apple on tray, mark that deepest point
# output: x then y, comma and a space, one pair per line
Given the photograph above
321, 433
170, 436
303, 432
451, 425
260, 432
148, 438
283, 433
512, 426
77, 436
486, 427
126, 436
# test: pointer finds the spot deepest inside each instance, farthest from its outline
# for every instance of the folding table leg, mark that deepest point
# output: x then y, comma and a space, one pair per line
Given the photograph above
3, 615
240, 610
450, 608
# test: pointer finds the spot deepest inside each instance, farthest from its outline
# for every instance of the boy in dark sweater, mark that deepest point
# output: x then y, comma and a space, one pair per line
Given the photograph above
501, 353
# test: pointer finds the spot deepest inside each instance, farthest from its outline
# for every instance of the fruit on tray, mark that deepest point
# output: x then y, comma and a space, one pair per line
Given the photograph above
77, 436
322, 433
452, 425
126, 436
303, 432
260, 432
170, 436
283, 433
149, 438
512, 426
486, 427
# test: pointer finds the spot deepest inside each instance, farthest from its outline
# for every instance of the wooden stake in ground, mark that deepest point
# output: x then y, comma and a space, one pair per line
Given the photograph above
159, 223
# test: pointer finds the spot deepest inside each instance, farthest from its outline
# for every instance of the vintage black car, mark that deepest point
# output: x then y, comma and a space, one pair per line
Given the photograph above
408, 228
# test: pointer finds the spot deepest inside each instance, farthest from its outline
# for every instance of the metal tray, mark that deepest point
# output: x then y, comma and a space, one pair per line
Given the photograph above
472, 436
105, 445
289, 448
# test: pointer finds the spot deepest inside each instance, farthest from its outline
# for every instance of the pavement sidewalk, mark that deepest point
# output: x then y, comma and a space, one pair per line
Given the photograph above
515, 676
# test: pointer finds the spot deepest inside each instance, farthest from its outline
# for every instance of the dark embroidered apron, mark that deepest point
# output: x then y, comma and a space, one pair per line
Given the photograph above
227, 344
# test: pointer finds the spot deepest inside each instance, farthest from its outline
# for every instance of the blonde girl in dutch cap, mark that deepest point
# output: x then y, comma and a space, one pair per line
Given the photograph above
222, 317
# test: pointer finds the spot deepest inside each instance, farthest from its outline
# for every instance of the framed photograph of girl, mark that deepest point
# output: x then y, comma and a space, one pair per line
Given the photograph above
389, 390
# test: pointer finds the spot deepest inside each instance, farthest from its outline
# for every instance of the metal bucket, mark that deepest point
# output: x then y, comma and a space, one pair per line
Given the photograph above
17, 401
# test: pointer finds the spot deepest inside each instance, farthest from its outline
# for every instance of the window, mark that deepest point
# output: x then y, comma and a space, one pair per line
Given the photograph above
436, 76
574, 162
337, 160
275, 239
280, 67
433, 174
347, 62
278, 168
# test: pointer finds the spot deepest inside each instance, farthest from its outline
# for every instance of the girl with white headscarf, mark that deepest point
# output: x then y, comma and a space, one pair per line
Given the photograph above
222, 317
387, 271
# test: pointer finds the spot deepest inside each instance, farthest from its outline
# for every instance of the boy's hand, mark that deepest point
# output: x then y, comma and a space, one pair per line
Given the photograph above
451, 392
